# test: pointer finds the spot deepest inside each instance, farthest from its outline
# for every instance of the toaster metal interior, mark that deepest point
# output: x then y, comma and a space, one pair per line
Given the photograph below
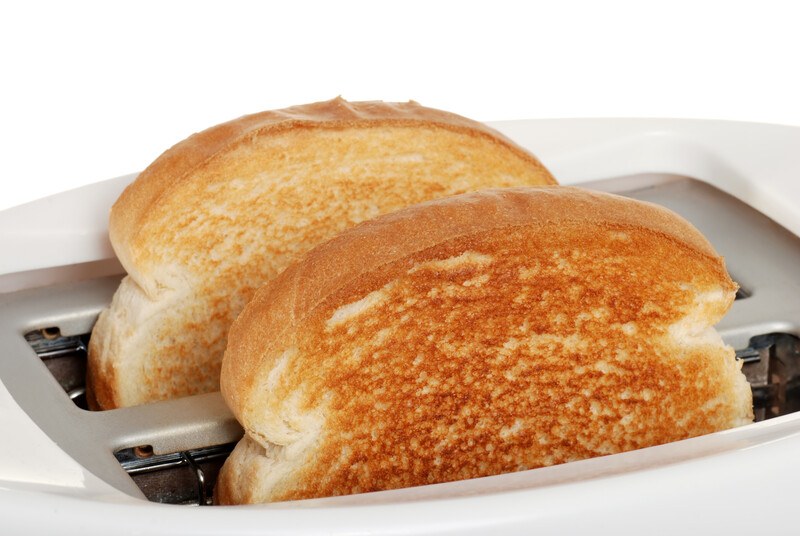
171, 451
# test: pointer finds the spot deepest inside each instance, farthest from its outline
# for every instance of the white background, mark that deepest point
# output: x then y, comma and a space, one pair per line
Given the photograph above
94, 90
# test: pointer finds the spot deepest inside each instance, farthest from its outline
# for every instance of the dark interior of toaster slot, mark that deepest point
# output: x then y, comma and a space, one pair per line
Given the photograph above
186, 477
742, 294
65, 358
772, 366
771, 363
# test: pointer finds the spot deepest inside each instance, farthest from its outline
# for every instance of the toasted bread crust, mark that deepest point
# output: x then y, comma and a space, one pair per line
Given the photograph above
479, 334
183, 159
227, 209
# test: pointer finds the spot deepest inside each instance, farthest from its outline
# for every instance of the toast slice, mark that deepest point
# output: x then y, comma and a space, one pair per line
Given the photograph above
479, 334
224, 211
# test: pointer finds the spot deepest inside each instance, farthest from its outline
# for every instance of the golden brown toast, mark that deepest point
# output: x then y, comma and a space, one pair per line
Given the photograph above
479, 334
224, 211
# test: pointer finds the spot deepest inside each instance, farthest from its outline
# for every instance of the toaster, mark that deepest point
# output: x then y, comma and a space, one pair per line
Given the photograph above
151, 469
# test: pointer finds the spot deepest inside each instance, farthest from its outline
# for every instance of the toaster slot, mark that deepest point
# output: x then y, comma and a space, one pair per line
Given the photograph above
772, 366
185, 477
65, 358
182, 477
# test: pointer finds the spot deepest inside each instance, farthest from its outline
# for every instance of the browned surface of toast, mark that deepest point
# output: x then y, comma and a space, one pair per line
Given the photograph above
476, 335
227, 209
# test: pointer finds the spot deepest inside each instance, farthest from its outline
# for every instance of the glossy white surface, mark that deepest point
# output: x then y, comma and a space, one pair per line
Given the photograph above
29, 456
729, 481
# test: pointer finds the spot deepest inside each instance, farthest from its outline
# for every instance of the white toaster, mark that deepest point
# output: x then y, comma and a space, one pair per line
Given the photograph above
150, 469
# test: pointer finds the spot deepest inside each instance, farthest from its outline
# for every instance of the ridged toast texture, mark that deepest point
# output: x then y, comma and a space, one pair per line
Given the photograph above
227, 209
479, 334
